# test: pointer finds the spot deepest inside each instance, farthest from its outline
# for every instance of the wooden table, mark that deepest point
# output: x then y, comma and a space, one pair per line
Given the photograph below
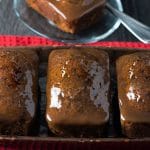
139, 9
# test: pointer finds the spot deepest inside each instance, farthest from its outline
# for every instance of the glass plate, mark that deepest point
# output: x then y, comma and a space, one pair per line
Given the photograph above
44, 27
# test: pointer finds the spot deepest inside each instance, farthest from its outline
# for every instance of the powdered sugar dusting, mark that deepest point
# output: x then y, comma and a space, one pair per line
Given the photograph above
99, 89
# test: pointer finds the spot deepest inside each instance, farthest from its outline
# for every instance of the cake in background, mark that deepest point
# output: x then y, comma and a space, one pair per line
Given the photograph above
70, 15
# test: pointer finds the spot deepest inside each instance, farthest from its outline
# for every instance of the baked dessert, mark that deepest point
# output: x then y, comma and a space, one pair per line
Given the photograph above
70, 15
133, 73
18, 90
78, 92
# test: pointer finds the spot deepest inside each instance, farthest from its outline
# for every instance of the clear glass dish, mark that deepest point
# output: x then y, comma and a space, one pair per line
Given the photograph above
44, 27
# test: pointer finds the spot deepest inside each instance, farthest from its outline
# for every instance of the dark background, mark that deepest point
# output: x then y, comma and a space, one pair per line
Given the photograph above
139, 9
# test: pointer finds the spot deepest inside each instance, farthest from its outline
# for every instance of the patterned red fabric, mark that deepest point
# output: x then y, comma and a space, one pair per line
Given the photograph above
16, 144
38, 41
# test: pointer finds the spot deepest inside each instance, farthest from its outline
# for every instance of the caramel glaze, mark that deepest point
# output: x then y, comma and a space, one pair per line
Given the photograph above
77, 88
134, 87
71, 9
18, 90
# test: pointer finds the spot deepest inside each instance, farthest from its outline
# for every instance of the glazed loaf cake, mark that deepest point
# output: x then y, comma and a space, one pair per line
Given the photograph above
70, 15
78, 92
134, 94
18, 90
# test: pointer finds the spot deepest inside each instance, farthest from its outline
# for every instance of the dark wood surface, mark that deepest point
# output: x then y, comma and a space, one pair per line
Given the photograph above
139, 9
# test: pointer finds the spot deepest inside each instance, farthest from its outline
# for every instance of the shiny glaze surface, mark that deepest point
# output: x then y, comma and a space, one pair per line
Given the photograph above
18, 91
78, 87
134, 87
72, 9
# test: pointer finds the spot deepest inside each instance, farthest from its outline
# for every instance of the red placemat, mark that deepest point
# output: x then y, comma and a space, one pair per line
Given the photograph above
10, 40
17, 144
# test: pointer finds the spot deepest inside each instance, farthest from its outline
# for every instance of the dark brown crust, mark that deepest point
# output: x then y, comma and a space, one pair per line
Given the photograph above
72, 26
80, 131
136, 130
16, 71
